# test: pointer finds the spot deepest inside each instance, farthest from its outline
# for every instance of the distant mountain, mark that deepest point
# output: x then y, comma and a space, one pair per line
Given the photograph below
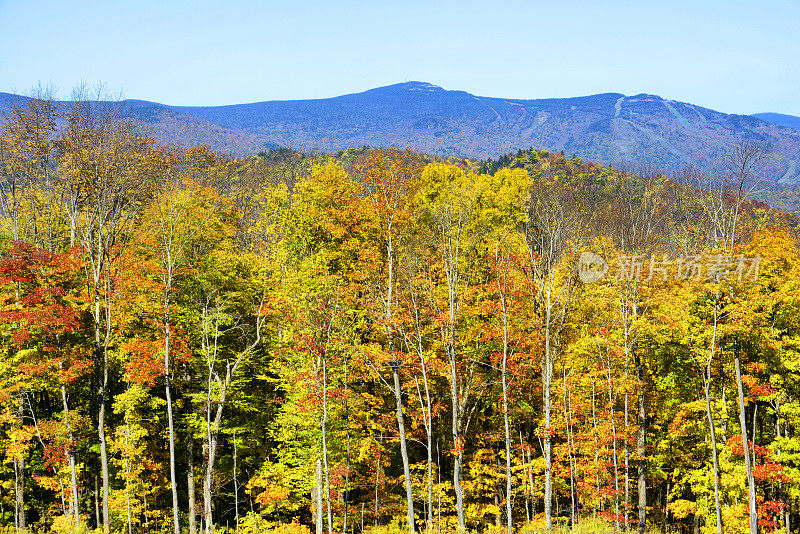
7, 100
608, 128
790, 121
171, 126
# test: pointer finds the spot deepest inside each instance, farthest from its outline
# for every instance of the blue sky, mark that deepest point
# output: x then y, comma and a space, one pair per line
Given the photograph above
735, 56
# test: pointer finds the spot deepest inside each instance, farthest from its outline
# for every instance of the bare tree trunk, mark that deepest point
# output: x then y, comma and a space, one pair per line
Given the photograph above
457, 442
398, 394
509, 516
714, 456
71, 228
347, 457
207, 479
611, 400
19, 475
439, 489
751, 493
325, 443
53, 468
101, 431
101, 355
666, 509
172, 481
547, 240
317, 491
567, 422
504, 303
97, 502
70, 454
529, 454
641, 445
616, 471
547, 378
212, 431
527, 493
596, 448
146, 515
430, 462
781, 495
127, 477
712, 430
625, 520
235, 481
403, 447
167, 388
377, 480
190, 484
213, 440
425, 405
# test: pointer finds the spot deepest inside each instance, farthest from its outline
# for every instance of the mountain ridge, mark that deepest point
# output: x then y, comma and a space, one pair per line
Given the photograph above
780, 119
609, 128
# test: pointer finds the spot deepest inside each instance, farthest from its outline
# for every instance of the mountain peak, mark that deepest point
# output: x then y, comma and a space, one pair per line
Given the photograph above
415, 86
644, 97
421, 86
403, 89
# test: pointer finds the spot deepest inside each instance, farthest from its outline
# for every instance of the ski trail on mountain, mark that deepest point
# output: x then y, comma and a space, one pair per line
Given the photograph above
678, 116
790, 173
663, 142
496, 113
618, 106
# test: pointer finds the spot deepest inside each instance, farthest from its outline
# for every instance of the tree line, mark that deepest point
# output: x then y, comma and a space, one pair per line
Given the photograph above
346, 341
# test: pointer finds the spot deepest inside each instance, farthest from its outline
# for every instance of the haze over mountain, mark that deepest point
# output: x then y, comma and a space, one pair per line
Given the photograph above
606, 128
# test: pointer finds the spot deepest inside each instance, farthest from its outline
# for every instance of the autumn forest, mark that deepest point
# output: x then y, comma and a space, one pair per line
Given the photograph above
377, 340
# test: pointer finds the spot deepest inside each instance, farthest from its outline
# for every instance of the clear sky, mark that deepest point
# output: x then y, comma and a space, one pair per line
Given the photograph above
735, 56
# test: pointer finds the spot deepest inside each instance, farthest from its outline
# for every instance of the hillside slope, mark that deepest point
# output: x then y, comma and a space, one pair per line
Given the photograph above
790, 121
608, 128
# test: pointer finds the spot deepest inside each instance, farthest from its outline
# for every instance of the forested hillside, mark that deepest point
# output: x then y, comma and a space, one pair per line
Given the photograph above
789, 121
608, 128
369, 339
